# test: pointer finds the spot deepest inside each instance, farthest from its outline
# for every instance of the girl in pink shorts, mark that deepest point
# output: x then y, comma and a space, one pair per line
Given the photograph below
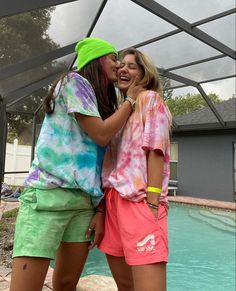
135, 177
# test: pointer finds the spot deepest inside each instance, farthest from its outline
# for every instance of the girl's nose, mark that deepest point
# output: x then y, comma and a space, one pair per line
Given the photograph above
123, 68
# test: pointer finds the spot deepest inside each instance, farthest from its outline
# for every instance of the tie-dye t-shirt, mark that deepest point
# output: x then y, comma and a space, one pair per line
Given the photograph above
125, 162
65, 155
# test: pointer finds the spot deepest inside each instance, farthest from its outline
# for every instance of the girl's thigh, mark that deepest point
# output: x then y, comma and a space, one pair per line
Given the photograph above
149, 277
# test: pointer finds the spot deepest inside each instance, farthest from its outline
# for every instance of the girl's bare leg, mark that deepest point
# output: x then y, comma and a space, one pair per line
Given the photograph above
69, 265
150, 277
121, 272
28, 273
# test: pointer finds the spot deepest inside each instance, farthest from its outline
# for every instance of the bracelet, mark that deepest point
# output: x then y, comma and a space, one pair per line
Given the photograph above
154, 190
131, 101
101, 211
154, 206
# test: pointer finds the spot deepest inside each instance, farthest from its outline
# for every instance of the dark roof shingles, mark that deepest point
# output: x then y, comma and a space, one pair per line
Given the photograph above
226, 109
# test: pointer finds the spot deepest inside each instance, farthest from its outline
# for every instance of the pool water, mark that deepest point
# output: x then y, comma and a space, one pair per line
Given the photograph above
201, 250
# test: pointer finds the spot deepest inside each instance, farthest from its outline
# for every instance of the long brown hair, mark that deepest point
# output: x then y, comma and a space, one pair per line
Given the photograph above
105, 91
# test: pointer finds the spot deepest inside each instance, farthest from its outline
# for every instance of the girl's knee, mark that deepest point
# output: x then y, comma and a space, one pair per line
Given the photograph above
125, 285
65, 283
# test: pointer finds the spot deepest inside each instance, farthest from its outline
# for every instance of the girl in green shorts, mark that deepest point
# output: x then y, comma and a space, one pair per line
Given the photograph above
62, 204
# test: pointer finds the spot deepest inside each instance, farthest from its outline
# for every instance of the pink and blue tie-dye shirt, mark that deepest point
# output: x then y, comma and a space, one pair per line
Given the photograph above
125, 163
65, 155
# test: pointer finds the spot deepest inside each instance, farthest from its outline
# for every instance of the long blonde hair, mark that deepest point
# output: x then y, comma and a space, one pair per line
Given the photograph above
150, 75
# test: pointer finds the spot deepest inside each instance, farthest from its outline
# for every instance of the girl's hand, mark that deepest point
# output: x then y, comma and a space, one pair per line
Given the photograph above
153, 204
96, 226
154, 211
135, 89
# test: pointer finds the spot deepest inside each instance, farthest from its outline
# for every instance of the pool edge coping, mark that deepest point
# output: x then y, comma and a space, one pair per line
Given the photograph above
203, 202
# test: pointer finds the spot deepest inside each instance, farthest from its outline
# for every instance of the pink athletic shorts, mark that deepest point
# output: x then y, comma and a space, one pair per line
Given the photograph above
133, 232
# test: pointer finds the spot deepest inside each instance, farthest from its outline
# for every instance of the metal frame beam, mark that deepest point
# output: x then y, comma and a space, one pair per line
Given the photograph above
194, 24
28, 64
149, 5
33, 62
217, 79
42, 59
202, 82
215, 17
200, 89
162, 12
13, 97
176, 87
13, 7
101, 8
195, 62
211, 105
47, 57
178, 78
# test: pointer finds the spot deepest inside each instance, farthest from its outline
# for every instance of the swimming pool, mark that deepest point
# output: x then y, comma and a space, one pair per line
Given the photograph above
201, 250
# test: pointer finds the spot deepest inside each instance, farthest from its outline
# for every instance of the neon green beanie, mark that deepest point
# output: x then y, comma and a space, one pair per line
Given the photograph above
90, 49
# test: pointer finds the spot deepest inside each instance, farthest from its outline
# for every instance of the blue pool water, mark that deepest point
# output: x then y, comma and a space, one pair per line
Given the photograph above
201, 250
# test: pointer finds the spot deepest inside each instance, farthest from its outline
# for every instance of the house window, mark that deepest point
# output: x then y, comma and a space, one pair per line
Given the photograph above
173, 161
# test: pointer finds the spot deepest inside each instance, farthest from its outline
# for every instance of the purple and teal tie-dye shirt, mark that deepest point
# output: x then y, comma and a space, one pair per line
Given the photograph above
65, 155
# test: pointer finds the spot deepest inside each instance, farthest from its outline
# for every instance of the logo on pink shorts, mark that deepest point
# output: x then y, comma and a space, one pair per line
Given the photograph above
147, 244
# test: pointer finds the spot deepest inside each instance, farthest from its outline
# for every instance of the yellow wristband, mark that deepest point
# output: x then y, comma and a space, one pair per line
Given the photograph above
154, 190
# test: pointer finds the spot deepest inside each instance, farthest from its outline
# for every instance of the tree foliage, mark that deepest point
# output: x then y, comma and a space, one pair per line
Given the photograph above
190, 102
24, 36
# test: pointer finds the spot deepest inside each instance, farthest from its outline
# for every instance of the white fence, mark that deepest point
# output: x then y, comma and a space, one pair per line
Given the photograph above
18, 158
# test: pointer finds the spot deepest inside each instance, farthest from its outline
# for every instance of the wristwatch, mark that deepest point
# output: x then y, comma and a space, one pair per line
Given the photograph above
131, 101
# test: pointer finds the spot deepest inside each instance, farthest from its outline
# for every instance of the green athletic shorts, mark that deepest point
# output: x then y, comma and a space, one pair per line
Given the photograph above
48, 217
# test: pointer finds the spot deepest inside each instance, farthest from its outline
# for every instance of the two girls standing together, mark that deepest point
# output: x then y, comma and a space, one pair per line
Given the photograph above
84, 136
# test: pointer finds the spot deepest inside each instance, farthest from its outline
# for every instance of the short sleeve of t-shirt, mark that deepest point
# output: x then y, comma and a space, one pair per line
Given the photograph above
156, 124
79, 96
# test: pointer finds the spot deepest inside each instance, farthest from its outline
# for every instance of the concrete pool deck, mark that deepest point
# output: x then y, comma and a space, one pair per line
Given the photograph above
95, 282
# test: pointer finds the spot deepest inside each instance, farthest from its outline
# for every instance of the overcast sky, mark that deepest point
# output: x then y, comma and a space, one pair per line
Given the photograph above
124, 24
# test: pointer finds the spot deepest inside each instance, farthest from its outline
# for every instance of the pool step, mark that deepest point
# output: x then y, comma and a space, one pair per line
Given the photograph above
228, 214
223, 218
220, 222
